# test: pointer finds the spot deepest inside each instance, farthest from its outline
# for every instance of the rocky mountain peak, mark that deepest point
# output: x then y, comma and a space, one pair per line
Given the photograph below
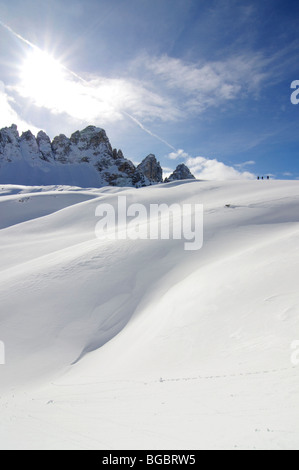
28, 136
91, 137
151, 169
29, 146
45, 146
9, 144
61, 147
9, 135
181, 172
13, 129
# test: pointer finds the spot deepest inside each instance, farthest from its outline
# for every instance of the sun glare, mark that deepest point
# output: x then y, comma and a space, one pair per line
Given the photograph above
41, 75
49, 84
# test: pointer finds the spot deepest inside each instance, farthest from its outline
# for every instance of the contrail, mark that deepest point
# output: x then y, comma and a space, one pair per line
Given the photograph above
36, 48
148, 131
18, 35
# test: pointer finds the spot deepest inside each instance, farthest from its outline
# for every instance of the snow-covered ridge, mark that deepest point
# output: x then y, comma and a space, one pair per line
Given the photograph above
86, 159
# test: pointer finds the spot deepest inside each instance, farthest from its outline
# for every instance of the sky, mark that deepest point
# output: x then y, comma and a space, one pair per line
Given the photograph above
201, 82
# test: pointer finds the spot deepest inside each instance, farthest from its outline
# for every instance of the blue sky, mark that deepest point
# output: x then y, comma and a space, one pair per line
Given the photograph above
196, 81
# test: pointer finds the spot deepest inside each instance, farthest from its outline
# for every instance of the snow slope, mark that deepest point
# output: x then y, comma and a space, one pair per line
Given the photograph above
140, 344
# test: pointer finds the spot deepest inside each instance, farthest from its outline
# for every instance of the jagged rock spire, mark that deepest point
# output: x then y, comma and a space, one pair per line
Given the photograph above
151, 169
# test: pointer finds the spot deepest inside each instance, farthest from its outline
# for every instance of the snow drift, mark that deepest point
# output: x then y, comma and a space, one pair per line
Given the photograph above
140, 344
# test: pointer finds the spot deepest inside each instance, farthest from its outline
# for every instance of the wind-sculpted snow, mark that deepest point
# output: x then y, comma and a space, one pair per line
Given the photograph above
16, 207
139, 343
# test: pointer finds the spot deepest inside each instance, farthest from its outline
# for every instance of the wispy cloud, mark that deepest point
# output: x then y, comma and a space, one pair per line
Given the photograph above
180, 153
97, 98
100, 96
240, 166
199, 86
8, 114
158, 88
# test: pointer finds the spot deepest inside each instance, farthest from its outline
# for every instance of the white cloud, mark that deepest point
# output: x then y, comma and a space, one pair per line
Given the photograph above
211, 169
167, 171
8, 115
206, 169
180, 153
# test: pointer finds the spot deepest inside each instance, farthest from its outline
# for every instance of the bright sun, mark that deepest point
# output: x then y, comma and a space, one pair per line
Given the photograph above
41, 75
49, 84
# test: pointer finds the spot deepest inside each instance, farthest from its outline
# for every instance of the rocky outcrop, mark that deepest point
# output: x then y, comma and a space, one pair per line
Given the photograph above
29, 147
182, 172
86, 158
92, 146
151, 169
9, 144
45, 146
